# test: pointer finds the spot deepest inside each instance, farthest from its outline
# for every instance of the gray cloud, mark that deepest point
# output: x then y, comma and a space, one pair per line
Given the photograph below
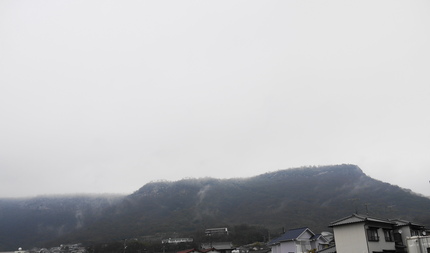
106, 96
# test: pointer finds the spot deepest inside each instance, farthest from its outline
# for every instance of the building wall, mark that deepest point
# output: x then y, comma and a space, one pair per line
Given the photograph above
303, 243
381, 244
418, 244
287, 247
351, 238
306, 235
303, 246
319, 244
275, 249
406, 232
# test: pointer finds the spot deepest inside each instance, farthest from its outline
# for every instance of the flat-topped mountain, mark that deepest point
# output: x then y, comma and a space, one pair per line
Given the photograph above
308, 196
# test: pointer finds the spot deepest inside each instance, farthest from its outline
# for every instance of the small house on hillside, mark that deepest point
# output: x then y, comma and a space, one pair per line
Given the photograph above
216, 231
176, 240
297, 241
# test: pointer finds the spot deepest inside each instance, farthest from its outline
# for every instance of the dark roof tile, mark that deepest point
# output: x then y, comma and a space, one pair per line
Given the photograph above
289, 235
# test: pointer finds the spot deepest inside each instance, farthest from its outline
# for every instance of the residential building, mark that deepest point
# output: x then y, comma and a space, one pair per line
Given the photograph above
216, 231
403, 230
358, 234
297, 240
418, 244
223, 247
319, 242
190, 251
177, 240
362, 233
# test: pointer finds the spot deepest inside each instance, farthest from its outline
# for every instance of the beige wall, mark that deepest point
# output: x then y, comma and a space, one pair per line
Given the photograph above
381, 244
350, 238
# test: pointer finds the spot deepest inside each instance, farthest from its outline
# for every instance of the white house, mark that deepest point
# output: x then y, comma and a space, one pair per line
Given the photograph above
319, 242
404, 230
223, 247
298, 240
360, 233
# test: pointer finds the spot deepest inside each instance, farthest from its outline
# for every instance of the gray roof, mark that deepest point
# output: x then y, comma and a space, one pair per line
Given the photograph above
317, 236
400, 223
290, 235
356, 218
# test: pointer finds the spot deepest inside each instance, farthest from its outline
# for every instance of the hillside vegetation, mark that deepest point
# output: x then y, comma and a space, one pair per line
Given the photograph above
309, 196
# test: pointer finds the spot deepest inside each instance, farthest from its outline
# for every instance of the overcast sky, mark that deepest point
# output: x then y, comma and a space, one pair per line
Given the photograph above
105, 96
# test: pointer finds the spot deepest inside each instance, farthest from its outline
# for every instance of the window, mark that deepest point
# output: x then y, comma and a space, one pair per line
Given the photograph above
388, 234
398, 239
372, 234
415, 232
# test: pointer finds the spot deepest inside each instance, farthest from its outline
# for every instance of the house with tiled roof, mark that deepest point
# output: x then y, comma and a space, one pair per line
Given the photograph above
297, 240
189, 251
212, 250
403, 230
319, 242
223, 247
362, 233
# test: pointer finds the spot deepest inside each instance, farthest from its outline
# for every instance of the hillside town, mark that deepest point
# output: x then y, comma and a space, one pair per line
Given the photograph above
352, 234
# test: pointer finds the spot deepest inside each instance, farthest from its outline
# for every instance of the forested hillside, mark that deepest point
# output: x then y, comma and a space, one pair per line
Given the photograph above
28, 222
309, 196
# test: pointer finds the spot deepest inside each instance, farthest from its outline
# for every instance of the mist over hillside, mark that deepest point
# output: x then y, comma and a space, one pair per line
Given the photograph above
27, 222
308, 196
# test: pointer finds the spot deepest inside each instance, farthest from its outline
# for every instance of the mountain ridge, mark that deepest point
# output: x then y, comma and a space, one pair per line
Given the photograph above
307, 196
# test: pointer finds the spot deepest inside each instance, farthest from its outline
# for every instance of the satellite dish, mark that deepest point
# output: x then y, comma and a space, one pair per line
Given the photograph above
400, 231
424, 233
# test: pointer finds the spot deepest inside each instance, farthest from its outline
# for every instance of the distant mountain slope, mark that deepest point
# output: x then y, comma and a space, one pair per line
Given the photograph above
27, 222
310, 196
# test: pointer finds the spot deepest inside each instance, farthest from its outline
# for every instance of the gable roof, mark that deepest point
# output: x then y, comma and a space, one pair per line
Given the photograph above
356, 218
319, 236
187, 251
207, 250
400, 223
290, 235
